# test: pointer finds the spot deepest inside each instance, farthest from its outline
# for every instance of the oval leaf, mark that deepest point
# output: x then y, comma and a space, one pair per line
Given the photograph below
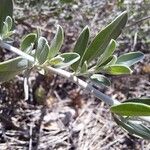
99, 79
131, 109
4, 29
130, 58
134, 128
140, 130
139, 100
6, 9
9, 22
7, 25
12, 67
108, 52
100, 42
27, 41
110, 61
69, 59
56, 42
42, 50
56, 60
117, 70
81, 45
84, 68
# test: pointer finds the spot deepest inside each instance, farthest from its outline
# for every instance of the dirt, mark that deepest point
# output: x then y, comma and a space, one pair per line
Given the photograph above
65, 117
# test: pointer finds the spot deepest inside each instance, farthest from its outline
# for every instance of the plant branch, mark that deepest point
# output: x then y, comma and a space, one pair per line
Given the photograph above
84, 85
16, 50
89, 88
65, 74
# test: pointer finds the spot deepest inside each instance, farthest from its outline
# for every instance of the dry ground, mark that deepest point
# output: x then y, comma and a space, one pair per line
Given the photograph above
67, 118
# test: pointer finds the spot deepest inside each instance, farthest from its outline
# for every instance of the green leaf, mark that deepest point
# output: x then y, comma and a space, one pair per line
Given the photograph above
80, 46
100, 79
42, 50
131, 109
6, 9
12, 67
110, 61
4, 29
69, 59
117, 70
134, 128
130, 58
27, 41
140, 130
56, 42
143, 100
9, 22
100, 42
56, 60
8, 34
84, 68
108, 52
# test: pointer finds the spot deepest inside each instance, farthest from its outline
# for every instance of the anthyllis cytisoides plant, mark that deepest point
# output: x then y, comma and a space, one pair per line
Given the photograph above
92, 59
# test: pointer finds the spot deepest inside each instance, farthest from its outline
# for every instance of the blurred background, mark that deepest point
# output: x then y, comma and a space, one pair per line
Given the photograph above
58, 114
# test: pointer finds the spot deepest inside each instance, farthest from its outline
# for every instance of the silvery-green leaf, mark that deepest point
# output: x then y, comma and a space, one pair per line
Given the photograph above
100, 42
134, 128
130, 58
6, 9
84, 68
99, 79
27, 41
7, 25
108, 52
80, 46
8, 34
117, 70
140, 130
131, 109
110, 61
12, 67
69, 59
9, 22
4, 29
42, 50
56, 42
56, 60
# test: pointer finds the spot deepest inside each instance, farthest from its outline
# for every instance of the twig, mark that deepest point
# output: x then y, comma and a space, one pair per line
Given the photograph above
30, 141
26, 84
119, 139
137, 22
84, 85
39, 127
17, 51
5, 137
